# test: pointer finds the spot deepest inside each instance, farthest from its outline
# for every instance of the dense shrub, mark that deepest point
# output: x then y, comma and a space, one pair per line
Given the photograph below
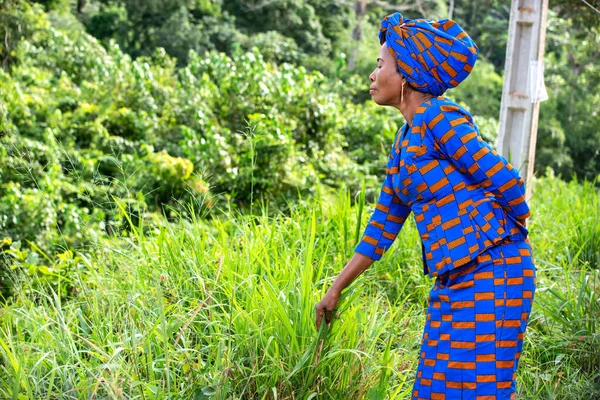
85, 127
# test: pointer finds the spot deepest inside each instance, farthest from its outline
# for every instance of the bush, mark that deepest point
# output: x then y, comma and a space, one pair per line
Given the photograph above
87, 128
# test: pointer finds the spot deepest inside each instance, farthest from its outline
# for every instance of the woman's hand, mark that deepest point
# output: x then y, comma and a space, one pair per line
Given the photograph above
326, 307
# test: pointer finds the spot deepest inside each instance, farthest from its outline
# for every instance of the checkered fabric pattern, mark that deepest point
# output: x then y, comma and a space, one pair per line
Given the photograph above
432, 56
476, 320
470, 211
464, 195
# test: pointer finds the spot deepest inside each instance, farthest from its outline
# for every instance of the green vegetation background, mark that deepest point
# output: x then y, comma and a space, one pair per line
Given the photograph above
177, 187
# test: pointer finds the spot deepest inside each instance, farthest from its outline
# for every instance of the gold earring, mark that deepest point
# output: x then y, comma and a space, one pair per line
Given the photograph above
402, 91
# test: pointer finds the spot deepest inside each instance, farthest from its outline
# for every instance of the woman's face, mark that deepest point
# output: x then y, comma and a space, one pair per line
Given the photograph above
386, 81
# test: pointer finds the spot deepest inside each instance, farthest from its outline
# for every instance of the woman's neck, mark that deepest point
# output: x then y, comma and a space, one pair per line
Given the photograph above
412, 101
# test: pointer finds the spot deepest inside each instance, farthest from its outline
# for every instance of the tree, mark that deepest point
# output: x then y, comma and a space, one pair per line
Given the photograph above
178, 26
568, 136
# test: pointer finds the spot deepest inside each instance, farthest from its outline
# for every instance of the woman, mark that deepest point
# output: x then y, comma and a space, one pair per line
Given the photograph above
470, 210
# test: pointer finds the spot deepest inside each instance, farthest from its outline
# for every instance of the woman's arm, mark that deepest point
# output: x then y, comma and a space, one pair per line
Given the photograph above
384, 225
356, 266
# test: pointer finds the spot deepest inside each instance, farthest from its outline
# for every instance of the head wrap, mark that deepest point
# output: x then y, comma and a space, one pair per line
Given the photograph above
432, 56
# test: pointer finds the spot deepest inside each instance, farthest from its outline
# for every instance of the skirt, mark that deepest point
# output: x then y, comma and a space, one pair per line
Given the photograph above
476, 319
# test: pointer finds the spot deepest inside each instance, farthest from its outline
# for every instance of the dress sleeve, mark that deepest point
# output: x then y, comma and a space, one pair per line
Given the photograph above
385, 222
460, 141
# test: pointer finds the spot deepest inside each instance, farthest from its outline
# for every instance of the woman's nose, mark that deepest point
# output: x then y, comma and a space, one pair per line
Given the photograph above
372, 76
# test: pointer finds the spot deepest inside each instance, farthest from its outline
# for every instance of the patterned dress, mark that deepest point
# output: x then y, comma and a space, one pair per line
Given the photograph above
470, 211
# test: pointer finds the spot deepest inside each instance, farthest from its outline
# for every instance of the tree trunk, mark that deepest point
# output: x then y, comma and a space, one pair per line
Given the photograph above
360, 10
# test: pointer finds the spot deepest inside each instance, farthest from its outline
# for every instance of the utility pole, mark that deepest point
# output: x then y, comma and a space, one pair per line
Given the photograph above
523, 85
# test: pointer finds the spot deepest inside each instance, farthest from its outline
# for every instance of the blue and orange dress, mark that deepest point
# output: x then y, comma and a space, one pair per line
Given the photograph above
470, 210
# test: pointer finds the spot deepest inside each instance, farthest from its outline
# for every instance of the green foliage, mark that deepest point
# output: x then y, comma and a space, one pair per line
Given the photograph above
178, 26
18, 19
274, 47
481, 92
316, 34
242, 313
568, 137
294, 18
225, 308
85, 125
101, 136
486, 21
577, 230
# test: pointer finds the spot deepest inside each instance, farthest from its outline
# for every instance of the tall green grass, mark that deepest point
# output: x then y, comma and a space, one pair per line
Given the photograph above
224, 309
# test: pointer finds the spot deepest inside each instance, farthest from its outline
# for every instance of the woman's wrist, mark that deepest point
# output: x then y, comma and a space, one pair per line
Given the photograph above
336, 287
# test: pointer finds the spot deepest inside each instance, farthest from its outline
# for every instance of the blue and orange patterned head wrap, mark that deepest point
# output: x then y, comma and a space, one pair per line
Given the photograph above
432, 56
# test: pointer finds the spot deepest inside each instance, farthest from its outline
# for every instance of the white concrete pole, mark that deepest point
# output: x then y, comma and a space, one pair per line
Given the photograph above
523, 85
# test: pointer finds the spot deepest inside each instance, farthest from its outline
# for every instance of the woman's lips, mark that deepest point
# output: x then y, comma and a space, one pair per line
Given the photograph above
371, 91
